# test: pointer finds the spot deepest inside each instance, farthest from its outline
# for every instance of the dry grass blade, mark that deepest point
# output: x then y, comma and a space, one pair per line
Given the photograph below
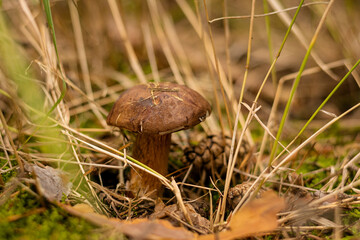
75, 19
267, 130
155, 17
264, 176
280, 93
129, 48
225, 18
217, 68
119, 156
4, 125
233, 155
209, 51
180, 201
275, 4
150, 50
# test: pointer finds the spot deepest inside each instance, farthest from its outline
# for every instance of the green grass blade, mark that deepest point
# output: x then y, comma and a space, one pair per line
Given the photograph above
297, 81
270, 44
47, 9
328, 97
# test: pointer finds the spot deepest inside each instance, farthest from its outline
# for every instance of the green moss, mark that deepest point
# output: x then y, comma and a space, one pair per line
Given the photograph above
257, 131
7, 175
52, 223
324, 162
351, 220
355, 213
306, 167
313, 163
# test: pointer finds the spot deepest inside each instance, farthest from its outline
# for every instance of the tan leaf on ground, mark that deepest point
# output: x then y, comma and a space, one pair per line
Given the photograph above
136, 229
155, 229
52, 183
256, 218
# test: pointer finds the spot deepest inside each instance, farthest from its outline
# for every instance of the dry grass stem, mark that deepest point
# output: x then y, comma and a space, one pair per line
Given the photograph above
75, 19
123, 34
275, 4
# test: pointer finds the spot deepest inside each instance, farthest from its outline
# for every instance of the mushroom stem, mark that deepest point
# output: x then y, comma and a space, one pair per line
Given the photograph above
153, 151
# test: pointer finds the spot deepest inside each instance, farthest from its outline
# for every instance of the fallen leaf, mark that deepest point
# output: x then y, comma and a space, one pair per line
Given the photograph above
52, 182
84, 208
155, 229
137, 229
255, 218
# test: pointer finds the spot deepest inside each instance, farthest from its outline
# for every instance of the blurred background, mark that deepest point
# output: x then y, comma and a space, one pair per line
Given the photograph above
108, 46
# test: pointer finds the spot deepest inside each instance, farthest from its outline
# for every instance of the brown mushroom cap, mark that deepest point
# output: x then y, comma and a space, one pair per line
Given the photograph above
158, 108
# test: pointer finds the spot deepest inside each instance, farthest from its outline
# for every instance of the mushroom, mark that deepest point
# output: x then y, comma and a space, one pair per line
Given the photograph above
154, 111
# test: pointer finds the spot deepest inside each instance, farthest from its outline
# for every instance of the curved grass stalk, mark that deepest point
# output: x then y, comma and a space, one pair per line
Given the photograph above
47, 9
266, 174
233, 154
297, 81
318, 109
270, 44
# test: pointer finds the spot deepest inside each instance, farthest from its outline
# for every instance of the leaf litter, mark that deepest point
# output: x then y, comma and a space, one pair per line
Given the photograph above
256, 218
52, 183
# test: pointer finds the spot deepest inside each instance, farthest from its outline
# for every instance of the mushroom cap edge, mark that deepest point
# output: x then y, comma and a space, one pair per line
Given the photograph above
158, 108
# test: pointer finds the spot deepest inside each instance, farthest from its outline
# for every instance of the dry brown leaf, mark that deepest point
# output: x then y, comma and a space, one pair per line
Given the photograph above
52, 183
137, 229
83, 208
257, 217
155, 229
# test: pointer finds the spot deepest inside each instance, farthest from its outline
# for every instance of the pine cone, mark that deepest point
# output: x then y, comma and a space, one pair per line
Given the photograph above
237, 192
212, 151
